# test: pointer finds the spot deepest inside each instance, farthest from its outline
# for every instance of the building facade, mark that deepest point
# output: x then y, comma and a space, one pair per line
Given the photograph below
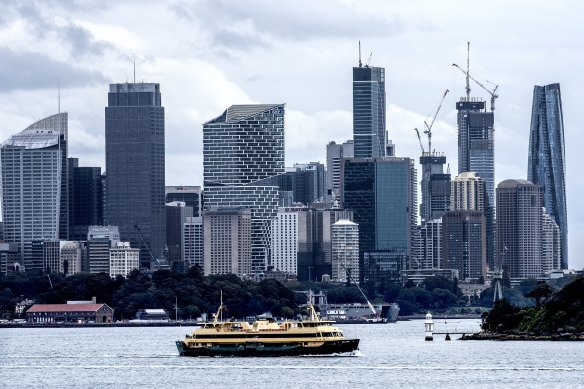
192, 196
435, 186
123, 259
85, 199
345, 251
176, 216
334, 155
193, 242
285, 241
99, 240
546, 165
369, 112
551, 245
134, 145
35, 195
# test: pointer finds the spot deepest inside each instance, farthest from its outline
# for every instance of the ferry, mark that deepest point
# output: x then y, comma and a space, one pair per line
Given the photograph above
266, 338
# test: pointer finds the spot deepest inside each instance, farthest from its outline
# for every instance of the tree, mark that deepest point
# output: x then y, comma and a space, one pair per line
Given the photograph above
541, 293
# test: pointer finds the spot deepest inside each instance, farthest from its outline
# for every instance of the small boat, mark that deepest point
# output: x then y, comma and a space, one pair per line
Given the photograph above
266, 338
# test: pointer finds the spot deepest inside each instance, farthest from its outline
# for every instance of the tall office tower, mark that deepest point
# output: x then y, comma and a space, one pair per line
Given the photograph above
476, 142
519, 228
176, 215
192, 196
380, 192
551, 245
35, 192
546, 162
228, 241
193, 242
345, 251
464, 243
369, 111
99, 240
430, 246
285, 240
334, 155
469, 193
242, 146
51, 256
85, 199
435, 187
303, 183
123, 259
71, 253
134, 146
314, 258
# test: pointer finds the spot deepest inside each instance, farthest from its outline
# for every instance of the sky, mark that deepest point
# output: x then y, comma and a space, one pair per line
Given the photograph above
208, 55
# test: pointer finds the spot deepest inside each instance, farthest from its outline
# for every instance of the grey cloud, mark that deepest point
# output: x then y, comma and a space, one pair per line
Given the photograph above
22, 70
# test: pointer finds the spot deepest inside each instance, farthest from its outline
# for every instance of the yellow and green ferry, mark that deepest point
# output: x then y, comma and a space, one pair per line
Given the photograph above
266, 338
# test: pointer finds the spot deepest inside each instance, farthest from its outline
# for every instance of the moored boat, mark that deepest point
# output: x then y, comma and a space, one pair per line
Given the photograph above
266, 338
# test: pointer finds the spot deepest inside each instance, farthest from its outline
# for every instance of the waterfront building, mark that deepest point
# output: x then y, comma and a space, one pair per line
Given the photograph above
35, 192
345, 251
227, 241
369, 111
85, 199
334, 155
123, 259
464, 244
70, 313
381, 193
519, 228
176, 215
241, 147
134, 144
547, 157
192, 196
193, 242
476, 142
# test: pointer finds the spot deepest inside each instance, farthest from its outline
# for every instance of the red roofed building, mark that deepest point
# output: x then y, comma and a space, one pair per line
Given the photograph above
70, 313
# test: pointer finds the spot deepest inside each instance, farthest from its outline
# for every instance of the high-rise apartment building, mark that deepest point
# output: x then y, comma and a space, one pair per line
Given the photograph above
285, 240
193, 242
241, 147
430, 245
435, 187
35, 192
345, 251
134, 145
381, 194
123, 259
334, 155
369, 111
519, 228
547, 158
476, 142
227, 241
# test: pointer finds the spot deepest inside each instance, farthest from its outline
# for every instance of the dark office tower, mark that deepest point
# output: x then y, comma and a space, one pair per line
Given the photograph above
334, 156
476, 142
519, 228
380, 193
435, 187
134, 145
176, 216
546, 163
464, 244
192, 196
369, 111
85, 199
241, 147
35, 193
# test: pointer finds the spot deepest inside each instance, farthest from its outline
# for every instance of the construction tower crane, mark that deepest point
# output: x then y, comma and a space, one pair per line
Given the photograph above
419, 140
493, 92
428, 130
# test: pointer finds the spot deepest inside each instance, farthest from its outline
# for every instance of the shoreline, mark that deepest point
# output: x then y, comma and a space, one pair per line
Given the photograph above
525, 337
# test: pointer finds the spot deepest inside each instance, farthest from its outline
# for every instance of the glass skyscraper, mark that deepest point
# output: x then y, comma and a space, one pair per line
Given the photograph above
546, 160
368, 111
35, 186
134, 145
241, 148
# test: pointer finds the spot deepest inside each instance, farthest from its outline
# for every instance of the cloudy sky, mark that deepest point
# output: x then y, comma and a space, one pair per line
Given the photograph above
208, 55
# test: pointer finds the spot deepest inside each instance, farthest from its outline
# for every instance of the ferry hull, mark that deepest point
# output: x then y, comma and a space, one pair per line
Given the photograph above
263, 350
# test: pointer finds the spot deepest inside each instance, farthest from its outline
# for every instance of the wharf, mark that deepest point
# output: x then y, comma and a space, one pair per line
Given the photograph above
101, 325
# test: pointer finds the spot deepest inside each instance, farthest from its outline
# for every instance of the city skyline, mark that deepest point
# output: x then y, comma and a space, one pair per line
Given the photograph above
100, 51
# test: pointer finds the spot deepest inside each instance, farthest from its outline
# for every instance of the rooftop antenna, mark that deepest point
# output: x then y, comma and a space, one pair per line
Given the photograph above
58, 95
360, 64
467, 71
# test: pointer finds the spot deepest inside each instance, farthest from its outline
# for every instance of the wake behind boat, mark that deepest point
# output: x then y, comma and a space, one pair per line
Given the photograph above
266, 338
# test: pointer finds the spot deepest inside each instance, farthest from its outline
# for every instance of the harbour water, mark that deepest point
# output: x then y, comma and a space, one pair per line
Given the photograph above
391, 355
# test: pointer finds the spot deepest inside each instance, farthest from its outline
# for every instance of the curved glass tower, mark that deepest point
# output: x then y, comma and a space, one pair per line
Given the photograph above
546, 163
34, 186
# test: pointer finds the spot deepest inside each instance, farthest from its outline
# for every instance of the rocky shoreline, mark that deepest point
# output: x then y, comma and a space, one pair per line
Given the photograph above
524, 336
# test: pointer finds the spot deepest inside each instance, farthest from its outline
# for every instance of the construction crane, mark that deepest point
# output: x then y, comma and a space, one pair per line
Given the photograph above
419, 140
428, 130
493, 92
158, 263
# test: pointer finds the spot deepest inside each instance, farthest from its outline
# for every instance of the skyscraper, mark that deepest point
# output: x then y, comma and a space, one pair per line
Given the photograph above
435, 187
546, 161
85, 199
35, 186
345, 251
368, 111
134, 145
242, 147
476, 142
334, 156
